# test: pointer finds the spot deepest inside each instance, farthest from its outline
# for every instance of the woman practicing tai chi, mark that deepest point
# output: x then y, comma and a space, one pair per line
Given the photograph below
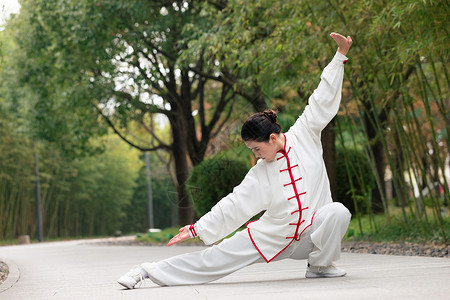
289, 182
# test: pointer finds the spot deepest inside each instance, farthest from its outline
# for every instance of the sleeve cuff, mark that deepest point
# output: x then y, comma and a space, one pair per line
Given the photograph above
340, 58
192, 231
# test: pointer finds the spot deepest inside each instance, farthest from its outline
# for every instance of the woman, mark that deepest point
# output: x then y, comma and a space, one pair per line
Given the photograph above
289, 182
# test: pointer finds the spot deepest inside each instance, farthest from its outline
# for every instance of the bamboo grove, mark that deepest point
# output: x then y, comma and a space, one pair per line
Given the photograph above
400, 102
391, 134
79, 196
396, 102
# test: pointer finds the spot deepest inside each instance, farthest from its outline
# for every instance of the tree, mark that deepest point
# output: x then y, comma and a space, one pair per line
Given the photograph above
273, 49
280, 46
122, 58
188, 61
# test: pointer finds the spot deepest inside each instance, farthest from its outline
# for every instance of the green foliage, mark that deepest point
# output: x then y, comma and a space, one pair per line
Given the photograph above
16, 169
396, 229
163, 237
79, 197
237, 152
121, 60
36, 89
212, 180
163, 195
58, 58
355, 179
103, 186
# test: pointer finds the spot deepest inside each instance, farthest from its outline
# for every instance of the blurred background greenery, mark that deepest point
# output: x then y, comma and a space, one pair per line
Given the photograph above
86, 87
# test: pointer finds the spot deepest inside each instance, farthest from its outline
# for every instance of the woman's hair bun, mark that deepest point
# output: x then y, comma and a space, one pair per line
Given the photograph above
259, 126
271, 115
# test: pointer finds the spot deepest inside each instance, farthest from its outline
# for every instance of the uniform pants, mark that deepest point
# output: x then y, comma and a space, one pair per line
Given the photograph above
320, 244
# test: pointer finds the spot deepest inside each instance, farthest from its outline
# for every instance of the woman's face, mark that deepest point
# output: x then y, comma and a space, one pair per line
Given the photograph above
265, 150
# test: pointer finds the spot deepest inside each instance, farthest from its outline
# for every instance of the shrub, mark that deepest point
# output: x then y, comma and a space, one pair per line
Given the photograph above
359, 171
213, 179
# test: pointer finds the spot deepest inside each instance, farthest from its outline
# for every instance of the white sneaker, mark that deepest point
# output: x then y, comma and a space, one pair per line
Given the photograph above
329, 271
131, 278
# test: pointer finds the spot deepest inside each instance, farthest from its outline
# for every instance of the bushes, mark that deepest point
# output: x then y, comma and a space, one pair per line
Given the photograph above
355, 179
213, 179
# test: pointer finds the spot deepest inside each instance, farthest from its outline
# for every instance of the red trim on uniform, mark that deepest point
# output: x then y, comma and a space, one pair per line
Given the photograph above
251, 222
300, 234
293, 181
297, 224
300, 209
288, 168
254, 244
312, 218
295, 196
297, 235
296, 193
192, 229
283, 152
281, 251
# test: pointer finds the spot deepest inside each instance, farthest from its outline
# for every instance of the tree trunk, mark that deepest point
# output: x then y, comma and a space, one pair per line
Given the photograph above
185, 209
378, 154
399, 192
329, 156
258, 102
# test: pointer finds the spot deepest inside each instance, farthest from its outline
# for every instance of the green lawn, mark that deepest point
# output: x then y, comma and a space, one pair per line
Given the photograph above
399, 228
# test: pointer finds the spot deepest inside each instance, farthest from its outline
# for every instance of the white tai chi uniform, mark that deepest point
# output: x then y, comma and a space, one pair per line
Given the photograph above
300, 220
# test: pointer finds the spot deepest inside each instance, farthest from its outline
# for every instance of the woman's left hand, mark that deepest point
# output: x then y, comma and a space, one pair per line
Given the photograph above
344, 43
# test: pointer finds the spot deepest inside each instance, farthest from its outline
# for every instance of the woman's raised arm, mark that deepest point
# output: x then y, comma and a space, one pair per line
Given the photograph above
344, 43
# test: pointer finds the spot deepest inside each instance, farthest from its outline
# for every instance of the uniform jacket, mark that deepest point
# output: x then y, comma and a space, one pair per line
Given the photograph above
291, 188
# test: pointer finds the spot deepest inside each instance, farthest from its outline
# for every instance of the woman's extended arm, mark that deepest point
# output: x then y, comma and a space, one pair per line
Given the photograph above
247, 199
324, 103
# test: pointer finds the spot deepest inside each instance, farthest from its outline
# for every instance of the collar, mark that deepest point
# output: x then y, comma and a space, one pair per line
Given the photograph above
283, 153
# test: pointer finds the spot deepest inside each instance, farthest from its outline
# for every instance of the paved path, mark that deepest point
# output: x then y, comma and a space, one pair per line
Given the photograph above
88, 270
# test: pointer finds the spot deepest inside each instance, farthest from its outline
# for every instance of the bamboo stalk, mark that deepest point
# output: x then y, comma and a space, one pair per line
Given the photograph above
405, 141
379, 181
352, 187
371, 163
435, 147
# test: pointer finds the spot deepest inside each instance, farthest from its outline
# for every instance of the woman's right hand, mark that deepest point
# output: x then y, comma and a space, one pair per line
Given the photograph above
344, 43
183, 235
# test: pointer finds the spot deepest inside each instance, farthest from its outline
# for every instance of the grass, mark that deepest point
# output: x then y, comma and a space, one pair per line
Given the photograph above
163, 237
9, 242
166, 234
398, 230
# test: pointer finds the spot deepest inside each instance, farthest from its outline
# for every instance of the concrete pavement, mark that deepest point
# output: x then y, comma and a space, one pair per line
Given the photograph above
88, 270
